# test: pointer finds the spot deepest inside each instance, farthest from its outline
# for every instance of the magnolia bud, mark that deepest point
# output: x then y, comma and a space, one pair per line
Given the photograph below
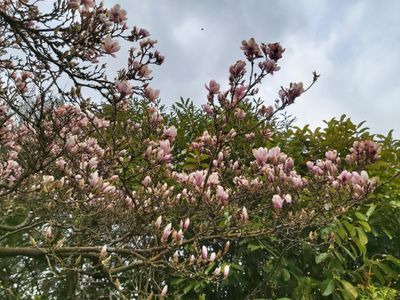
48, 233
164, 291
212, 257
244, 215
186, 224
175, 257
158, 222
166, 232
226, 271
179, 235
103, 252
192, 259
204, 252
226, 247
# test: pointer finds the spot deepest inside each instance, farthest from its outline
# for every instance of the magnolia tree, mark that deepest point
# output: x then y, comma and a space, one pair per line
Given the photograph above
105, 196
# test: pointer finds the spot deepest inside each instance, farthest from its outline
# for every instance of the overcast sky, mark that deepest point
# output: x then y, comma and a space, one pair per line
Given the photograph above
354, 45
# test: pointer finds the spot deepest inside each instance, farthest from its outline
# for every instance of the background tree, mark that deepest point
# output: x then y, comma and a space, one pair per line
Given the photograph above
117, 197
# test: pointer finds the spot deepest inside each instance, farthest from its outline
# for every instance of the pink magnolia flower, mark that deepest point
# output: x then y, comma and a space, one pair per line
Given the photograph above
146, 181
144, 71
197, 178
364, 177
213, 87
344, 177
208, 109
261, 155
124, 88
92, 163
47, 179
117, 15
213, 179
288, 198
356, 178
269, 66
318, 171
151, 94
88, 3
110, 46
171, 132
266, 111
295, 90
222, 195
240, 114
331, 155
274, 51
164, 154
94, 179
277, 201
240, 92
237, 70
274, 153
251, 49
217, 271
74, 4
289, 164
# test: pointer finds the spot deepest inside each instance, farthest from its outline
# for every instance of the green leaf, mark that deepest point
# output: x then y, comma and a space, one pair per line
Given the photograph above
285, 274
394, 260
341, 231
387, 270
361, 216
362, 236
321, 257
370, 210
189, 166
349, 253
204, 157
349, 289
365, 225
389, 235
254, 247
350, 228
188, 288
328, 287
210, 267
191, 159
378, 274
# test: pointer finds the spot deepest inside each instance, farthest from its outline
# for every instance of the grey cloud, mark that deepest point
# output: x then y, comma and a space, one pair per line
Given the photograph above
355, 45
